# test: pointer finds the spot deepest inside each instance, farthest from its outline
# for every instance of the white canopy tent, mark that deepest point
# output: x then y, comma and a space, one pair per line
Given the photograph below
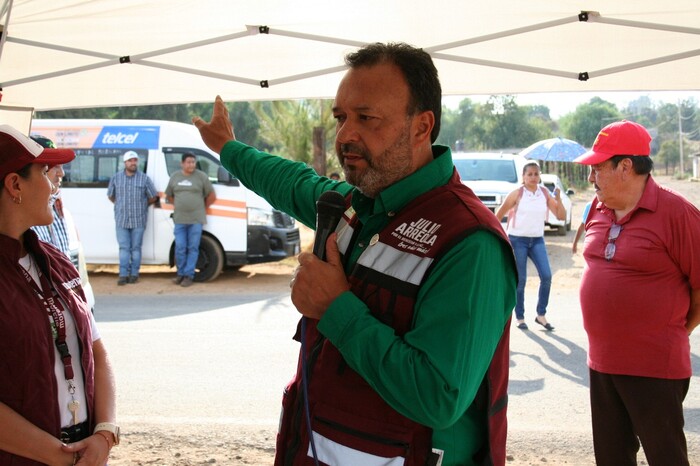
92, 53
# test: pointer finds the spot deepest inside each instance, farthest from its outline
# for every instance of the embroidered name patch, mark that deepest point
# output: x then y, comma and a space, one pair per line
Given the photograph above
416, 236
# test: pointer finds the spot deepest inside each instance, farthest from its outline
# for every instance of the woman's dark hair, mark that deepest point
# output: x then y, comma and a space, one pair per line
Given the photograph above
642, 165
418, 70
24, 172
529, 164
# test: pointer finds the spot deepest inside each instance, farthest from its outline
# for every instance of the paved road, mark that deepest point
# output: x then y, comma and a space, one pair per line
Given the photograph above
225, 359
217, 359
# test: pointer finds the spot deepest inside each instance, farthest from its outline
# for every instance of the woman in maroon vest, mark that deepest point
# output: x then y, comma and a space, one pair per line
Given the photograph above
57, 403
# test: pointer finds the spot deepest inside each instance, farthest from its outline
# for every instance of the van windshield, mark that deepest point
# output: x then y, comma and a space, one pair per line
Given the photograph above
486, 169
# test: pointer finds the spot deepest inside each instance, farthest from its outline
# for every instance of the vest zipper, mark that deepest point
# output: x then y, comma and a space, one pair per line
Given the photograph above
299, 403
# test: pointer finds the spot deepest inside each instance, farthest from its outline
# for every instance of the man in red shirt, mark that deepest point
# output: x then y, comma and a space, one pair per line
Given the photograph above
640, 297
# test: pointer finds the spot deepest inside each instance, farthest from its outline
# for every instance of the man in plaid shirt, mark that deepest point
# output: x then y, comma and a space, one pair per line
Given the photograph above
132, 192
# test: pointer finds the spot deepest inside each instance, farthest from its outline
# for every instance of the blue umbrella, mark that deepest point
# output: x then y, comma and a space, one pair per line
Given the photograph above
554, 150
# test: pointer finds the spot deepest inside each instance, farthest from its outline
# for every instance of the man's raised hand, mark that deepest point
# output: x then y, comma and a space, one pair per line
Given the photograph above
219, 130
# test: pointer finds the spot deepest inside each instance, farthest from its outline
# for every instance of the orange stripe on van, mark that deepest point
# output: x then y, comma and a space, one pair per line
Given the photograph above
218, 202
227, 203
226, 213
217, 212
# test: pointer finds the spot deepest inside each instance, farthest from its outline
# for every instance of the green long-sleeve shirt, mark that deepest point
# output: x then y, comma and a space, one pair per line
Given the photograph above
433, 372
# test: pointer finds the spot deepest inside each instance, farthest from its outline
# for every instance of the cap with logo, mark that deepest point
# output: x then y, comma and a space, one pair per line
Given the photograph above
128, 155
619, 138
18, 150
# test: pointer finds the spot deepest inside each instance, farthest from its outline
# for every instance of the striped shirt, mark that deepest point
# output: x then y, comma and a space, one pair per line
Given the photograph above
55, 233
131, 195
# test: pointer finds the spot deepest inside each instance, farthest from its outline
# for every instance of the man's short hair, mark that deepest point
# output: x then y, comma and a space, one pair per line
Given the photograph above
187, 155
418, 69
640, 165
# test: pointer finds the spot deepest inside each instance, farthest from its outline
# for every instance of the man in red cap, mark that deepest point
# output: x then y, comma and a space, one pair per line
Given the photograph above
640, 298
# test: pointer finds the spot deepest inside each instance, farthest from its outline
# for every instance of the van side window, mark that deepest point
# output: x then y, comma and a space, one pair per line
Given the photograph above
205, 162
92, 168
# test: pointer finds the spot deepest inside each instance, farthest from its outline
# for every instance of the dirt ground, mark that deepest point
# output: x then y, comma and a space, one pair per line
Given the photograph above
252, 445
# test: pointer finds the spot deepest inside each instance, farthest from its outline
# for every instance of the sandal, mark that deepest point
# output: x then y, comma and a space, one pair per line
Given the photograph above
547, 326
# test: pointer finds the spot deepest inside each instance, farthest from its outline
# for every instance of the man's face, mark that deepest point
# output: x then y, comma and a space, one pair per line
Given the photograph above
131, 165
606, 180
189, 165
373, 131
56, 174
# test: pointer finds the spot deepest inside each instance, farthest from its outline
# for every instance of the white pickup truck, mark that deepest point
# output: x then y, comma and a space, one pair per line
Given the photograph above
492, 176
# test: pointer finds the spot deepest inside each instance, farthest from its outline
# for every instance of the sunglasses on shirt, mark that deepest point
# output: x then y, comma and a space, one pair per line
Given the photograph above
615, 230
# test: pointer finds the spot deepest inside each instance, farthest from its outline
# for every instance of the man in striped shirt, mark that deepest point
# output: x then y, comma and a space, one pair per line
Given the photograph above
56, 233
132, 192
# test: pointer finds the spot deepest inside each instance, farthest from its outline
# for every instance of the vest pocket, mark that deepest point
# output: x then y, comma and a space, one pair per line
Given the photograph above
342, 438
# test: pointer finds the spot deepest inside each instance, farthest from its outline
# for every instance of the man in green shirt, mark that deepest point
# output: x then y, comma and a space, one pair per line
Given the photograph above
407, 321
192, 193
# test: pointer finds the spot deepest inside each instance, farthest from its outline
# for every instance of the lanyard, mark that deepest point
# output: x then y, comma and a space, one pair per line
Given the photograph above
56, 314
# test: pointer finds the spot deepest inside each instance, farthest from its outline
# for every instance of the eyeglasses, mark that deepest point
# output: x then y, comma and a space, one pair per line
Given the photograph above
615, 230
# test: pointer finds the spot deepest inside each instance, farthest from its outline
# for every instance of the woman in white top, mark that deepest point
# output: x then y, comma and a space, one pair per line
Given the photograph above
57, 395
527, 209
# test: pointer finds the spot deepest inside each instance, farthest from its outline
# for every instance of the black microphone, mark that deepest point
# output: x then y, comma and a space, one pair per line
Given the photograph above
329, 210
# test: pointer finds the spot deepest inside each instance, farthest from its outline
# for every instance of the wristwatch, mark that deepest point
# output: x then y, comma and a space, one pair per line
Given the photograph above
108, 427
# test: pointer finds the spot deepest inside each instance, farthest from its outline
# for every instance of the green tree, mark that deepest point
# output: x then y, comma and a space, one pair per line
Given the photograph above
451, 131
642, 111
287, 126
243, 117
668, 155
502, 124
457, 126
584, 124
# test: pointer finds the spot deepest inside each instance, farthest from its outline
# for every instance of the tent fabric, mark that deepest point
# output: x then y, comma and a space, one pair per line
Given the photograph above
88, 53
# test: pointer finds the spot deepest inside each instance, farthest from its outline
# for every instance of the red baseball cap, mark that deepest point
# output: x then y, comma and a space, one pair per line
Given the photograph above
619, 138
18, 150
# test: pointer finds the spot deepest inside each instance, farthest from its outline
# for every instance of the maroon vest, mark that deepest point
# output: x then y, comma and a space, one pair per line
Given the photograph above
344, 409
26, 345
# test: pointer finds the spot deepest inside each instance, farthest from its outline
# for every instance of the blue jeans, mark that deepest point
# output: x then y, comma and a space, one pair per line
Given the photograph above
130, 241
534, 248
187, 239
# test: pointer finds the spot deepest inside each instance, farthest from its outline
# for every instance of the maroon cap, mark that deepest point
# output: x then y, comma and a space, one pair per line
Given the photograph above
17, 150
619, 138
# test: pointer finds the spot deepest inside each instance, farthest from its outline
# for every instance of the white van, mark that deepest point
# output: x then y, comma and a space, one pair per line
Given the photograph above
242, 228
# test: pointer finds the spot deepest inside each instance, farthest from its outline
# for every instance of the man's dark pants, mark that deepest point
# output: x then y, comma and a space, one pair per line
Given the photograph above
627, 409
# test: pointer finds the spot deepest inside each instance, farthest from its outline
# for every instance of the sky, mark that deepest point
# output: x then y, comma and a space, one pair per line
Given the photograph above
561, 103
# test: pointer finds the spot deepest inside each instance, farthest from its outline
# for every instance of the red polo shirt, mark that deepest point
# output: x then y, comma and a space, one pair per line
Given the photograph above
635, 305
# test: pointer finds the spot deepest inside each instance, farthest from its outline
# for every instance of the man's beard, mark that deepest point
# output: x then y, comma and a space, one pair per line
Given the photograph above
394, 164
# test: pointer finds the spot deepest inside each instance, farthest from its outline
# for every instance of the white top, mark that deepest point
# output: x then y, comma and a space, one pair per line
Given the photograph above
64, 397
530, 214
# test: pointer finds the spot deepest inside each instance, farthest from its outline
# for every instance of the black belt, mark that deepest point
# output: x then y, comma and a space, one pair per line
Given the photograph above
75, 433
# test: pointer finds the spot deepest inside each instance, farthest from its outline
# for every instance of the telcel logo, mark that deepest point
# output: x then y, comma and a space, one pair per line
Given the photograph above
119, 138
132, 137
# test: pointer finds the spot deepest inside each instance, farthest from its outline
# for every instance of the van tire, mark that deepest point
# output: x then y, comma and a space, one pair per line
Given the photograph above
210, 262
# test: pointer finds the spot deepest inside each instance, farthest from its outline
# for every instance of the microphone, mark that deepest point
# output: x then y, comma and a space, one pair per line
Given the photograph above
329, 210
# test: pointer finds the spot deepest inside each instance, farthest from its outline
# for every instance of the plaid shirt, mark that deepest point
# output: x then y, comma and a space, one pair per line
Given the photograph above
55, 233
131, 195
